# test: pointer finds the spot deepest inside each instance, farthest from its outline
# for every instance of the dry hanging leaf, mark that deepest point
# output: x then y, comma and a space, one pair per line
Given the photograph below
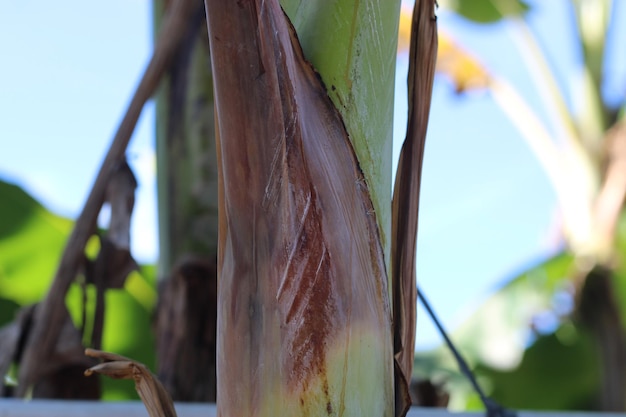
60, 374
405, 205
155, 398
114, 262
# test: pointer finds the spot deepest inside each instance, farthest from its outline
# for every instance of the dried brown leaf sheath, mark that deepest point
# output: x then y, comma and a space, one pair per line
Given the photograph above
155, 398
407, 188
304, 324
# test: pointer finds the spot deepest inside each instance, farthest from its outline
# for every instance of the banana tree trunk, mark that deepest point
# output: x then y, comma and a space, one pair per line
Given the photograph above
304, 320
187, 193
187, 164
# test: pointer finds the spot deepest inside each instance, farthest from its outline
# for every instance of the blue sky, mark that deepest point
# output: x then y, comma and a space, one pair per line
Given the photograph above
487, 211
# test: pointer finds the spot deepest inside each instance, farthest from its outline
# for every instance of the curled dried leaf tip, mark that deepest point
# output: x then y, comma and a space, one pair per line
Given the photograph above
114, 366
156, 399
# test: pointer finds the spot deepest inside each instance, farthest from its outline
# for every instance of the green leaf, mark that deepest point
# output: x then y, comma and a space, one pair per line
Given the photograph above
487, 11
31, 242
497, 333
8, 309
556, 374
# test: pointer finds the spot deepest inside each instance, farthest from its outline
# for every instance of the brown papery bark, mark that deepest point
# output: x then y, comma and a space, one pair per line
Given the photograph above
304, 322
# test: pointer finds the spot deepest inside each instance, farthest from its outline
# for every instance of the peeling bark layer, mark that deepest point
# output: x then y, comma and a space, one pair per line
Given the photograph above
304, 323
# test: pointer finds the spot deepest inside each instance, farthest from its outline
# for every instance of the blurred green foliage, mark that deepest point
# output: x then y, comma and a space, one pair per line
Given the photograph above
31, 243
486, 11
523, 346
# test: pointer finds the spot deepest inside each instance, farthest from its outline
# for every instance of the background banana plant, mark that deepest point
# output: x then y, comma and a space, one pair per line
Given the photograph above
579, 146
